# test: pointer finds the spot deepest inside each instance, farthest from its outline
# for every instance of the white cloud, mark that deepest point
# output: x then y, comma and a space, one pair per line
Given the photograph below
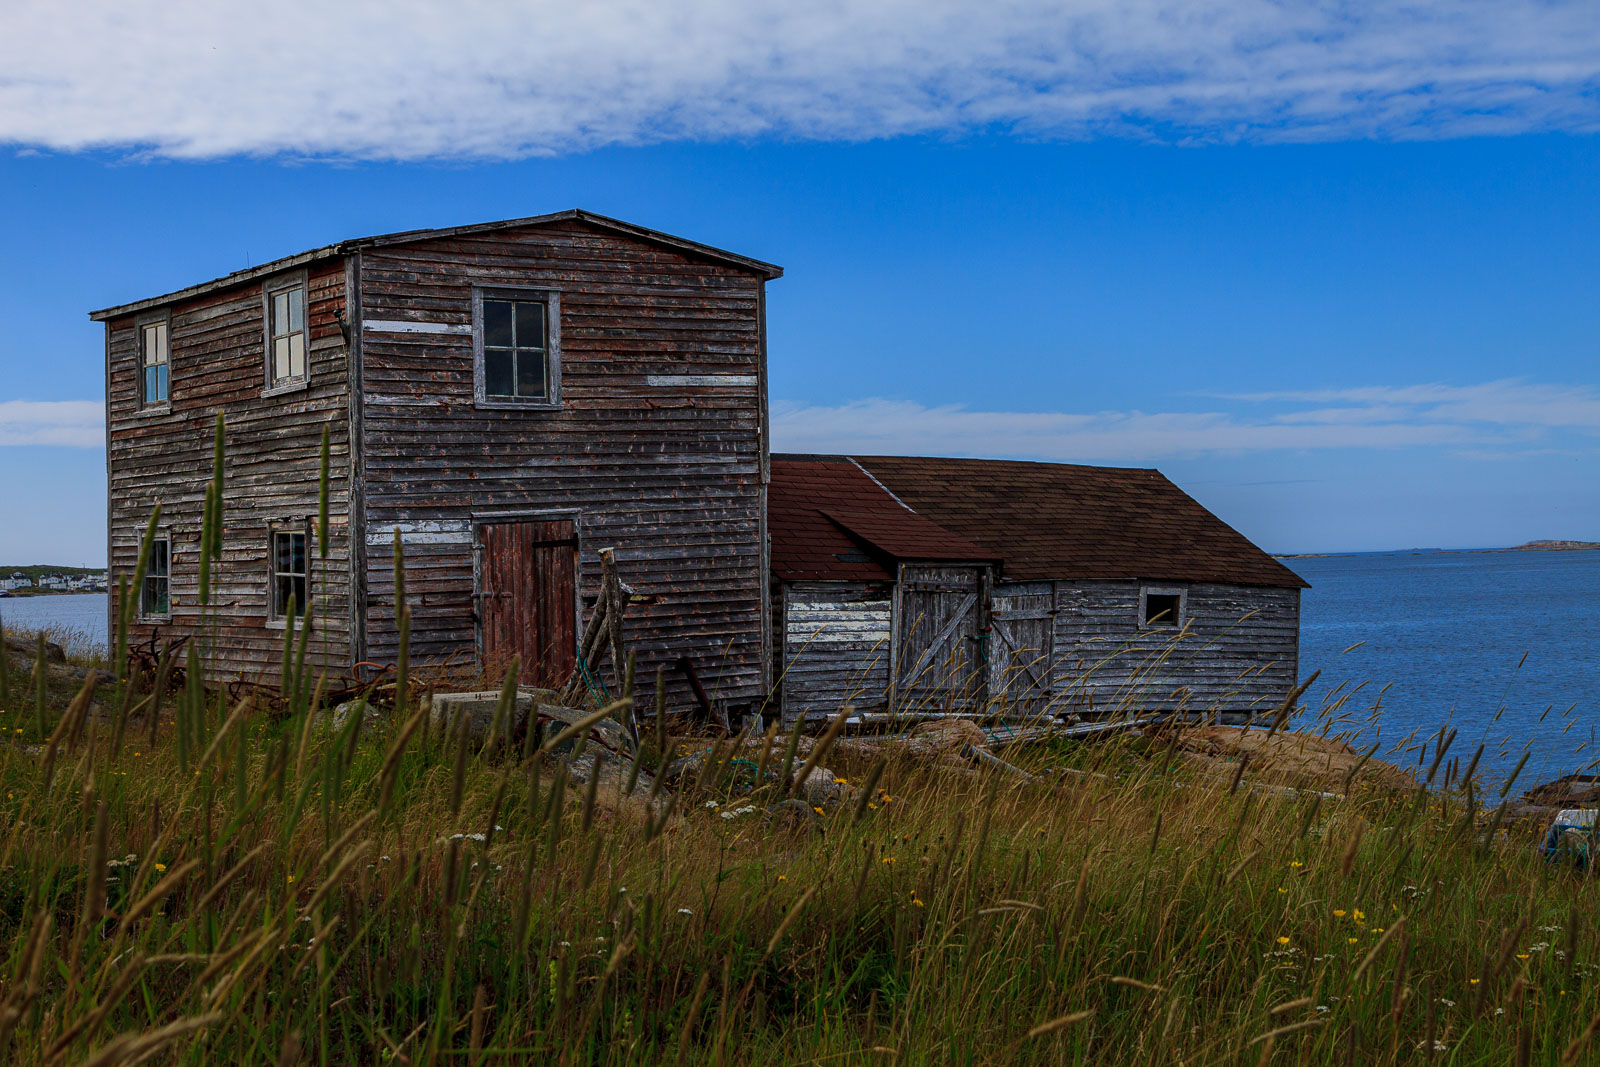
75, 423
411, 79
1492, 420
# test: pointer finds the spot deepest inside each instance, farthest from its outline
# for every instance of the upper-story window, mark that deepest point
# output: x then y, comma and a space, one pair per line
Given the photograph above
516, 340
154, 364
287, 336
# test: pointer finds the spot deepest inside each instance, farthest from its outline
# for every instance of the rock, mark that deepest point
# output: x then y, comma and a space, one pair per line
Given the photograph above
371, 717
794, 814
822, 787
551, 719
682, 771
53, 652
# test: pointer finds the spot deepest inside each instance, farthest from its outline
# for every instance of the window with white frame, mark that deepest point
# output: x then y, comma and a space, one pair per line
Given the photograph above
287, 336
154, 364
516, 339
155, 592
289, 572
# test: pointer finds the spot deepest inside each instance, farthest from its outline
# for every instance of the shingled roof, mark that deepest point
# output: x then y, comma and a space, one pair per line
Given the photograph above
1045, 520
829, 520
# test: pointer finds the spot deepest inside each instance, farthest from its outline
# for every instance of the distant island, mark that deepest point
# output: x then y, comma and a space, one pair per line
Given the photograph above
39, 579
1531, 546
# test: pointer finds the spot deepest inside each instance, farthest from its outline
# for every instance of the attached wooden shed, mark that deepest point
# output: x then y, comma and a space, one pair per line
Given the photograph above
923, 585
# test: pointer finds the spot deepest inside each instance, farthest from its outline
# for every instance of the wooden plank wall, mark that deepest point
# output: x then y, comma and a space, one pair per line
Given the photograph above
666, 470
836, 643
271, 472
1238, 656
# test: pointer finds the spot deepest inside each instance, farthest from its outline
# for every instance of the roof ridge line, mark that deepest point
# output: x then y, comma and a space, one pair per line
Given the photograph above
885, 488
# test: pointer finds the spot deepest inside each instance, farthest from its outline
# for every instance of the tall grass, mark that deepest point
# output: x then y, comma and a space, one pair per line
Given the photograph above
187, 881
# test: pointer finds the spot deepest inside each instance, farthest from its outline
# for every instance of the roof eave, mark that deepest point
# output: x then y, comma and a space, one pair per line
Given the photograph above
227, 281
605, 222
768, 271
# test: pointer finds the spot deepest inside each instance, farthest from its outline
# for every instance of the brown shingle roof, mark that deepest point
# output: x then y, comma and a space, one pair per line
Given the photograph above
829, 520
1058, 520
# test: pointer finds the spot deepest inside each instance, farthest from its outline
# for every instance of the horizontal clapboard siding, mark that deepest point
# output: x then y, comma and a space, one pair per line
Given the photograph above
1237, 655
273, 446
836, 639
650, 451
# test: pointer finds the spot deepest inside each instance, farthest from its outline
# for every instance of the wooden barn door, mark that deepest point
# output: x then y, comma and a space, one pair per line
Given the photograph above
936, 638
1021, 647
527, 587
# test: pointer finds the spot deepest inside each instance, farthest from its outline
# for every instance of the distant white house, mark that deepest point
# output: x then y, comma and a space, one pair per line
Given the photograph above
16, 581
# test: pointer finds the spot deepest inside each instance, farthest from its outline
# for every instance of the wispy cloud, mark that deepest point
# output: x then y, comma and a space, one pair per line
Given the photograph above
74, 423
1492, 420
409, 79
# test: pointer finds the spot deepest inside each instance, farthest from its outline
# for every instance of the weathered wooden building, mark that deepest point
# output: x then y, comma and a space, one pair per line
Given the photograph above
509, 397
915, 585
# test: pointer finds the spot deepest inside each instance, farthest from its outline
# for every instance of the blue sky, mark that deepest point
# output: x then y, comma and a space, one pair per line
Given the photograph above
1348, 303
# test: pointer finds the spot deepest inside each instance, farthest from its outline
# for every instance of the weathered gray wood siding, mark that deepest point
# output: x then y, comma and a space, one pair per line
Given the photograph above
836, 647
1237, 654
655, 449
273, 445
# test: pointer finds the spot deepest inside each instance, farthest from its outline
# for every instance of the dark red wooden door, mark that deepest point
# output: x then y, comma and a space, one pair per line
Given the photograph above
528, 592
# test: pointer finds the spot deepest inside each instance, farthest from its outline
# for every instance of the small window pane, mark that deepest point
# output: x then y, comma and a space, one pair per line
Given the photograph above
280, 314
530, 375
156, 385
280, 359
530, 325
497, 373
161, 343
297, 310
160, 552
297, 355
497, 324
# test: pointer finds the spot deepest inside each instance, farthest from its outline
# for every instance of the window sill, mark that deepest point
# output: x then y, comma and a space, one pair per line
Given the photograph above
298, 385
517, 405
150, 411
153, 620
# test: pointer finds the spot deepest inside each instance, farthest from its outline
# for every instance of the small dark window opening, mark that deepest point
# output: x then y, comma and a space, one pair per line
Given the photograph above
153, 362
516, 350
155, 595
1161, 609
288, 573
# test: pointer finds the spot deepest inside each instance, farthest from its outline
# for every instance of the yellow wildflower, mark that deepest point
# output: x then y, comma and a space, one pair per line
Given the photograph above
1473, 981
917, 902
1296, 863
1282, 890
817, 810
888, 859
1338, 913
783, 877
1522, 955
1353, 940
1282, 940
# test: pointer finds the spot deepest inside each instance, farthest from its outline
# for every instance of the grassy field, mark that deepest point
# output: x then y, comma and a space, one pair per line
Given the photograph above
225, 885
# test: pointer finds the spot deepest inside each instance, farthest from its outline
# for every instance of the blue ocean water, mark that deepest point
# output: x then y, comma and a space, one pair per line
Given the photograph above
84, 614
1503, 646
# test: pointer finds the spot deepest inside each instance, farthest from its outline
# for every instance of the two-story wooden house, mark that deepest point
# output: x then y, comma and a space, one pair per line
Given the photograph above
509, 397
